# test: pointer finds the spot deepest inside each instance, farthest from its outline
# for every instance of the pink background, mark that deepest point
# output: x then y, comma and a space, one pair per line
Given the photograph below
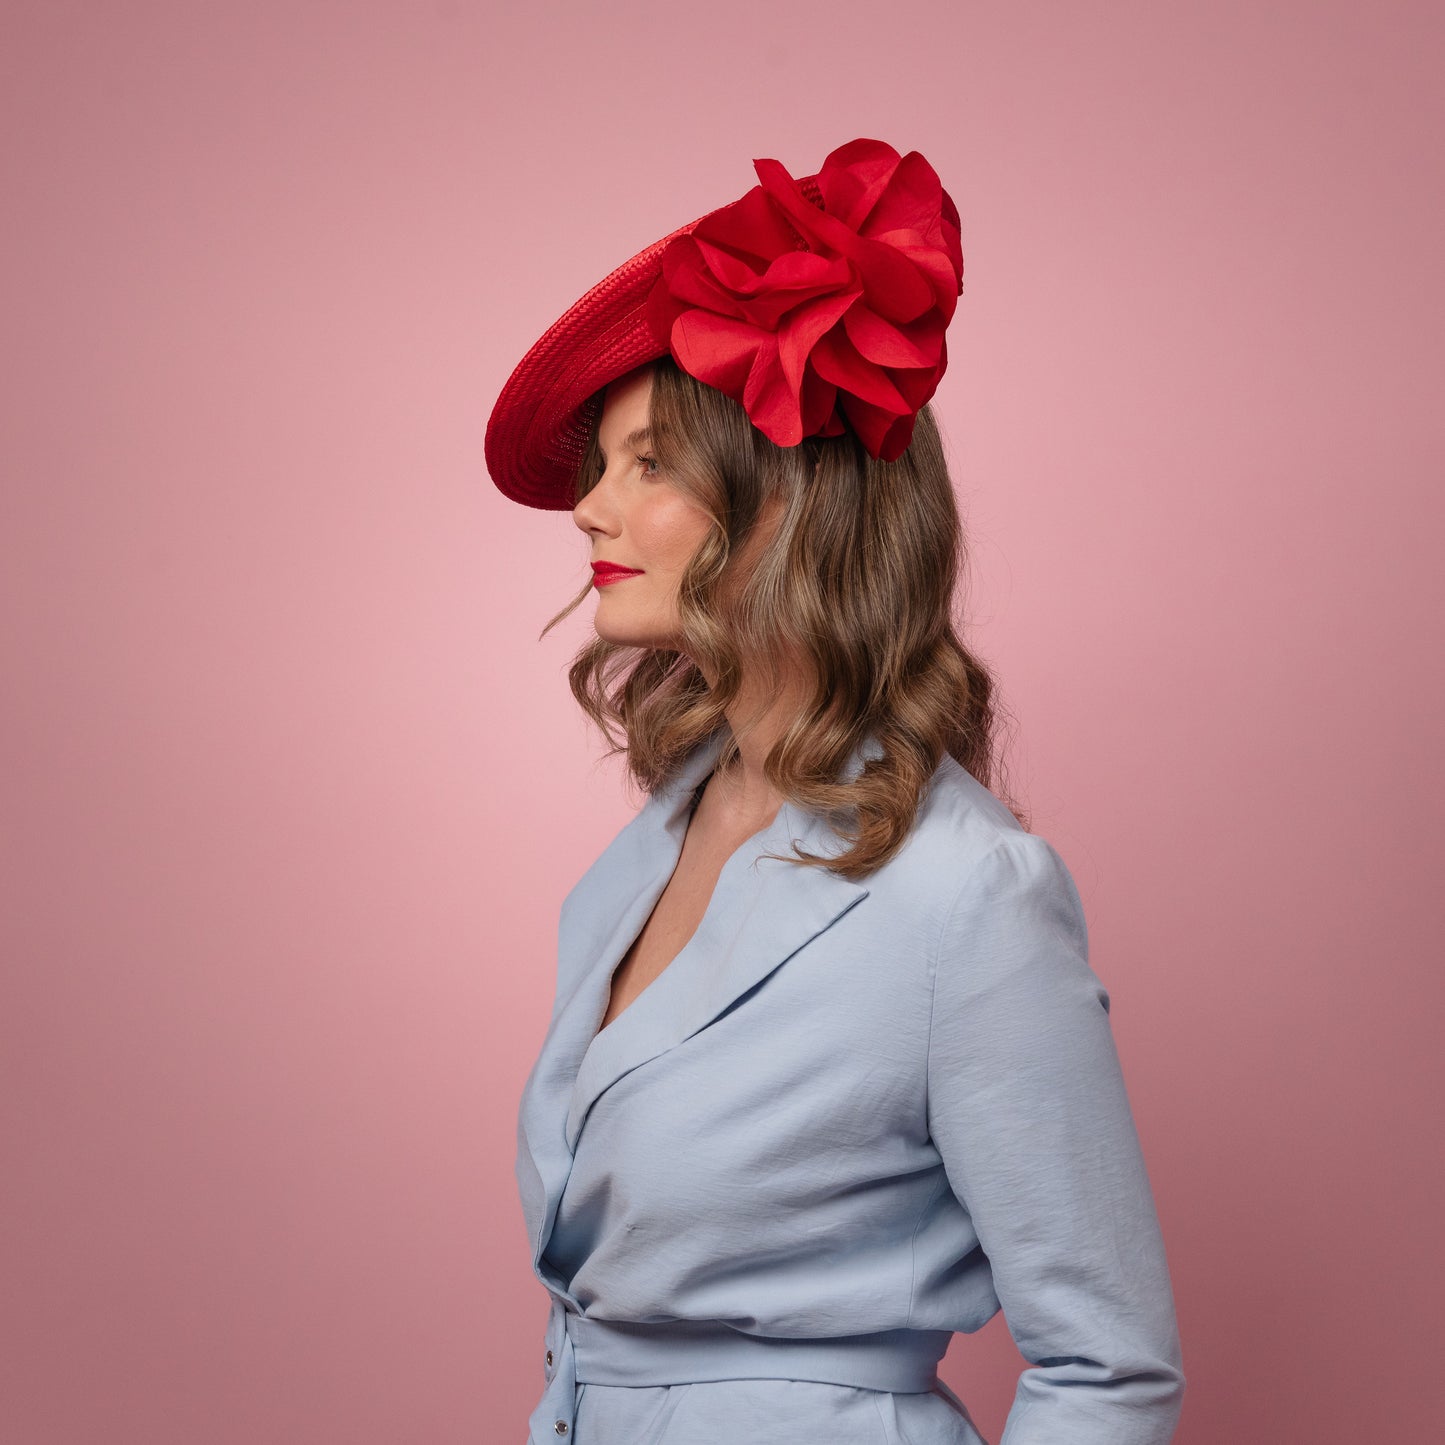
292, 792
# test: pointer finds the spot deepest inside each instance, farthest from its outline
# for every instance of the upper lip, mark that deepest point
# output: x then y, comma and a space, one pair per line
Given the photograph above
613, 567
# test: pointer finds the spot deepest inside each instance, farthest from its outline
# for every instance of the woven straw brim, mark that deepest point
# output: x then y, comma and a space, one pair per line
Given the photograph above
539, 427
538, 431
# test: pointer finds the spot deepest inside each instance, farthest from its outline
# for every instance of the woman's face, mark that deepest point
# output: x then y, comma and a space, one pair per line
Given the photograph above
636, 520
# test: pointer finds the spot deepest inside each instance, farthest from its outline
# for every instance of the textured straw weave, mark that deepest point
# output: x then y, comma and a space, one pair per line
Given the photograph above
537, 433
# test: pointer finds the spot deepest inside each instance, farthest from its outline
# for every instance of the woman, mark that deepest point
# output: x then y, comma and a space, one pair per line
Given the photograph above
828, 1076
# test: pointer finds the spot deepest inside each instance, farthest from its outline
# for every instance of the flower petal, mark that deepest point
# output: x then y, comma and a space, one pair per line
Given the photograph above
836, 360
884, 343
822, 309
855, 177
805, 326
717, 350
771, 401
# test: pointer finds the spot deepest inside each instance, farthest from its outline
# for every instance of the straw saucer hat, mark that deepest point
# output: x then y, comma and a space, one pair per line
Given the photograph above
820, 304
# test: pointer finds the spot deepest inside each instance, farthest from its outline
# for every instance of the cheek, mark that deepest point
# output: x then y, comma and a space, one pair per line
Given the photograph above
670, 529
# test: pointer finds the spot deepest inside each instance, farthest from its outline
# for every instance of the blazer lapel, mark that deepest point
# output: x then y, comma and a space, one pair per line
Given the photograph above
600, 917
762, 912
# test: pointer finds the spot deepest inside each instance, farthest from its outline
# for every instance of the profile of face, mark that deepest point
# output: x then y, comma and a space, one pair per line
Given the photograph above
637, 521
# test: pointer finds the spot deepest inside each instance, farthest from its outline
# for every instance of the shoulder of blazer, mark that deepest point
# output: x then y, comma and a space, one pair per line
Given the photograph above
973, 853
958, 819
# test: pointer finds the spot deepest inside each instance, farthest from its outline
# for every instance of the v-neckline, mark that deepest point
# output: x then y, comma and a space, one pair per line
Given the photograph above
602, 1028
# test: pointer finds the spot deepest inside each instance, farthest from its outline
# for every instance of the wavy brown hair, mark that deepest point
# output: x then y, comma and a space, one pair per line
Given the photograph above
857, 584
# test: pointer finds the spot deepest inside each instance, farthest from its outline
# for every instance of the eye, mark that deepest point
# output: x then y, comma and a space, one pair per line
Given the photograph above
645, 461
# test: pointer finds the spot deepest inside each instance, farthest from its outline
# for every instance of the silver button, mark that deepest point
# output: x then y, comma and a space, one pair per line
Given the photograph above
560, 1427
549, 1357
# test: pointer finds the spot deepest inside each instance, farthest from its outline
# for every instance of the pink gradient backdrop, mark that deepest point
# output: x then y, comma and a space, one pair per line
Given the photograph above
292, 792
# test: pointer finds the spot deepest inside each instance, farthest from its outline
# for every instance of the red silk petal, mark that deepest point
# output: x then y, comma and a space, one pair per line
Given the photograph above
751, 226
883, 434
814, 224
732, 272
854, 177
810, 313
892, 283
819, 405
795, 280
836, 361
690, 281
917, 385
805, 327
885, 344
935, 267
771, 401
911, 201
717, 350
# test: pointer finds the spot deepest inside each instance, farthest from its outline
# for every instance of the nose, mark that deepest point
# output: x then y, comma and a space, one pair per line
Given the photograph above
593, 513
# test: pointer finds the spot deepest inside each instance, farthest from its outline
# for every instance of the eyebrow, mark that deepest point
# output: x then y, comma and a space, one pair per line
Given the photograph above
632, 439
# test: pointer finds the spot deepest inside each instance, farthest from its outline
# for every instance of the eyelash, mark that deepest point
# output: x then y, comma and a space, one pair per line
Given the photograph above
602, 466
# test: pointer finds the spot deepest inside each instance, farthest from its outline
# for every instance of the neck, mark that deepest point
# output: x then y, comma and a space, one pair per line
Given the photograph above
757, 721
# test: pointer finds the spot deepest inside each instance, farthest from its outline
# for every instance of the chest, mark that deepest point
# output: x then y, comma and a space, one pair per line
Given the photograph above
672, 922
807, 1087
713, 836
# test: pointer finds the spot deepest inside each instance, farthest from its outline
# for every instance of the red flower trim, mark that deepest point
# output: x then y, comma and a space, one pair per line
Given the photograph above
810, 312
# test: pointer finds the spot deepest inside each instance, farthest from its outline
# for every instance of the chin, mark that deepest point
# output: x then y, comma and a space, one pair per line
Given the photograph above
631, 637
637, 634
628, 621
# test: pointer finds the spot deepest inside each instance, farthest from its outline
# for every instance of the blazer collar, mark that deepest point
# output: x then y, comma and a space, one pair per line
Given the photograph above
762, 911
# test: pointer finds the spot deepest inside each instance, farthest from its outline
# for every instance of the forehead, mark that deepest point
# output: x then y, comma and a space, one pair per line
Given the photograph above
626, 404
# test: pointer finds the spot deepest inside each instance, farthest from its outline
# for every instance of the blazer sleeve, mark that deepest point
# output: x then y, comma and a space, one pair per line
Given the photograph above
1027, 1107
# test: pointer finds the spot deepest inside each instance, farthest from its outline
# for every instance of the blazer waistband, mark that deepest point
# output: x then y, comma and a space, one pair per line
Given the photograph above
613, 1352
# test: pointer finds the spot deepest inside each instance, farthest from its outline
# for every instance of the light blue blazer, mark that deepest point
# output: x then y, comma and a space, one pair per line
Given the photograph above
848, 1120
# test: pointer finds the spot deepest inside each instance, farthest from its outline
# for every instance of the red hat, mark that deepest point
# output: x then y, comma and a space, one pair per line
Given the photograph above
820, 304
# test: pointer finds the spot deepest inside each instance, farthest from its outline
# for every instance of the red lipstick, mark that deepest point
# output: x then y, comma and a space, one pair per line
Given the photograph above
604, 573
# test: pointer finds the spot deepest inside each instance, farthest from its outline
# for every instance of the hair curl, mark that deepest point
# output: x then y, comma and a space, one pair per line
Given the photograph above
857, 581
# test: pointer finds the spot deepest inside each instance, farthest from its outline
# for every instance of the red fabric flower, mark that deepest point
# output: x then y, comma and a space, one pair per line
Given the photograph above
802, 308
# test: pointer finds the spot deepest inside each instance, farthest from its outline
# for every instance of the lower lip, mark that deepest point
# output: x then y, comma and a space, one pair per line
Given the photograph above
606, 579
